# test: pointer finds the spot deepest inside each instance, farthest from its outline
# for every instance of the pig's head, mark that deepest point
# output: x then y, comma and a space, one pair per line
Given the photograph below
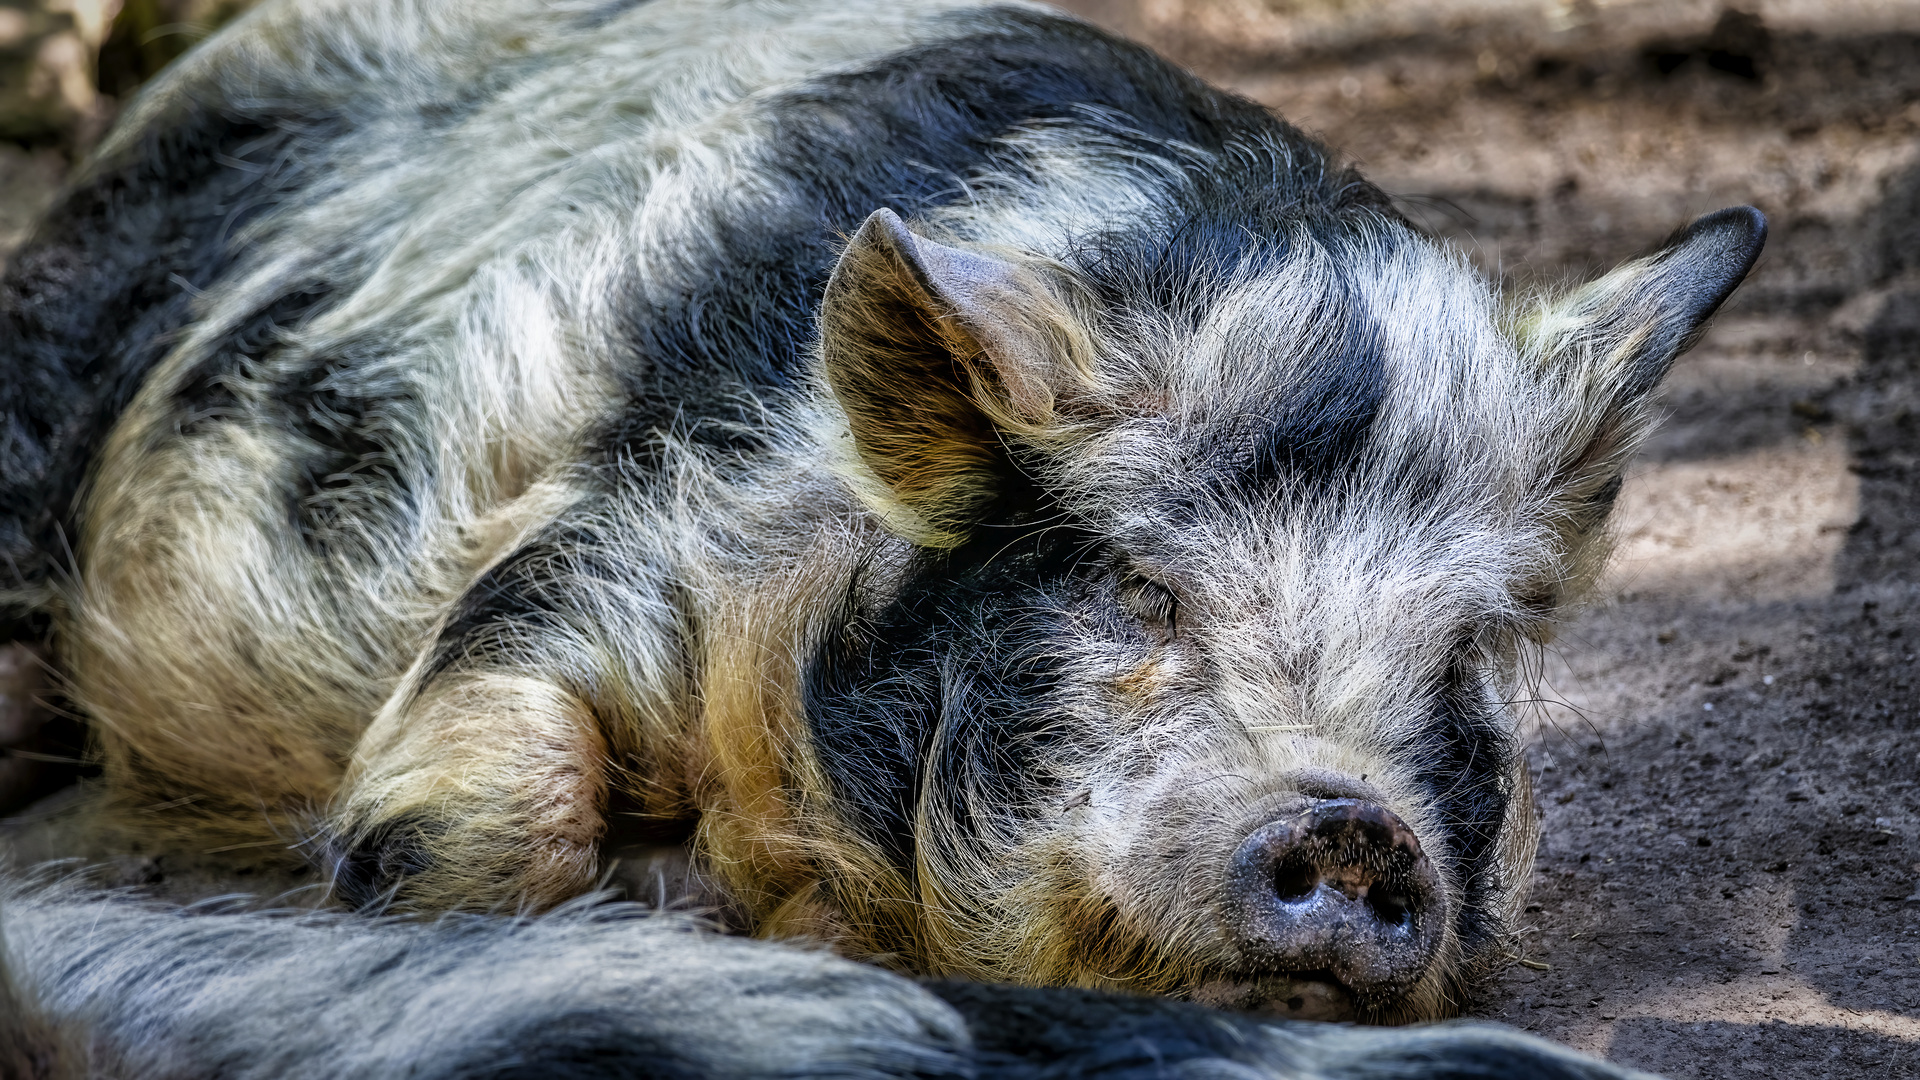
1230, 542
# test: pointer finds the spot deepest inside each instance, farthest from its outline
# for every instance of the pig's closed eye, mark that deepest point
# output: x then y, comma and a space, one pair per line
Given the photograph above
1153, 604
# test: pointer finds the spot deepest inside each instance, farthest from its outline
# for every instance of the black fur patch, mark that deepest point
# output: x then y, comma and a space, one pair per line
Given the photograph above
950, 683
1462, 757
550, 584
1237, 219
1308, 436
98, 294
516, 598
1596, 508
364, 467
358, 468
1322, 425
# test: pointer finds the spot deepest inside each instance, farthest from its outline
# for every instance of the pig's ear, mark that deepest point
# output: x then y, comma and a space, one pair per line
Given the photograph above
1606, 346
942, 359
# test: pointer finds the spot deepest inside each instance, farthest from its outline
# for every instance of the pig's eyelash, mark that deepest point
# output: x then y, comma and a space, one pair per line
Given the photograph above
1153, 603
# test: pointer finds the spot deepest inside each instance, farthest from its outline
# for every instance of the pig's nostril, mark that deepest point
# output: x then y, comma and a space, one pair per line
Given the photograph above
1341, 887
1393, 906
1295, 879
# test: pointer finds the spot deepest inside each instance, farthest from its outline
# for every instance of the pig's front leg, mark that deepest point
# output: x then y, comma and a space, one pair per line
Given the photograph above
486, 791
483, 783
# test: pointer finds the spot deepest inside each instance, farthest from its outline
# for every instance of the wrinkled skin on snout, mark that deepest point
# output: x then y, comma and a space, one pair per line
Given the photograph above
1209, 695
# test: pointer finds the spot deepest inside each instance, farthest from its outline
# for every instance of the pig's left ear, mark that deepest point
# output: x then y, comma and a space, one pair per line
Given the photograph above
1603, 349
942, 360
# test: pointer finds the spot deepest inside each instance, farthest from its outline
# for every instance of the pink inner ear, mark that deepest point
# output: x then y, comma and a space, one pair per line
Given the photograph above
992, 300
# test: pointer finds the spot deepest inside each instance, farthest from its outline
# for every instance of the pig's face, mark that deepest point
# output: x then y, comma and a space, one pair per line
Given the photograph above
1199, 684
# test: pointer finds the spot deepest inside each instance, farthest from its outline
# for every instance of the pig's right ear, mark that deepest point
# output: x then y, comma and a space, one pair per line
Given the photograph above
943, 360
1602, 350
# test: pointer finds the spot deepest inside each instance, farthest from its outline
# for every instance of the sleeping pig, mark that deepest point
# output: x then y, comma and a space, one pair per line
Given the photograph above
1013, 511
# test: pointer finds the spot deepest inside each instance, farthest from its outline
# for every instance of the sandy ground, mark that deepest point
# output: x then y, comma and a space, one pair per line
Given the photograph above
1724, 744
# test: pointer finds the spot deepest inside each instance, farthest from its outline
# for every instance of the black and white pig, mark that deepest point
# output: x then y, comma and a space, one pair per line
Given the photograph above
1014, 511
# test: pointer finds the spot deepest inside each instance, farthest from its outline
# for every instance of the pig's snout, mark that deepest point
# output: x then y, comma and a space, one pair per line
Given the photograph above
1340, 887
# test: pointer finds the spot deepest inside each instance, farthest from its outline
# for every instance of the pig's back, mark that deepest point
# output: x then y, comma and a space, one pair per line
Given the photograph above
445, 247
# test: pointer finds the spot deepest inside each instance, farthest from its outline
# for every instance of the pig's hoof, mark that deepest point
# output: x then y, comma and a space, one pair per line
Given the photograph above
370, 865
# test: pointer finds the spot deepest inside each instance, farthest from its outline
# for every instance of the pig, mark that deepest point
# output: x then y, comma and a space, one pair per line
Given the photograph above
1012, 511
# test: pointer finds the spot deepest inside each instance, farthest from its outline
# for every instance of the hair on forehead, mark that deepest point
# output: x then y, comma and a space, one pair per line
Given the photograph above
1254, 310
1240, 212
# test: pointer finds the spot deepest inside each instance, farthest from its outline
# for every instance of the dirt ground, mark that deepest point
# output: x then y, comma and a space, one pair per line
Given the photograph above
1724, 745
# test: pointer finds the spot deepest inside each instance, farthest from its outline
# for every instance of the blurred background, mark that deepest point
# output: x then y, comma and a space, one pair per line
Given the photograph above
1726, 746
65, 67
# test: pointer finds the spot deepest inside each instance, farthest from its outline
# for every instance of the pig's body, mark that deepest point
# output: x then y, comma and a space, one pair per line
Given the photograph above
1111, 578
